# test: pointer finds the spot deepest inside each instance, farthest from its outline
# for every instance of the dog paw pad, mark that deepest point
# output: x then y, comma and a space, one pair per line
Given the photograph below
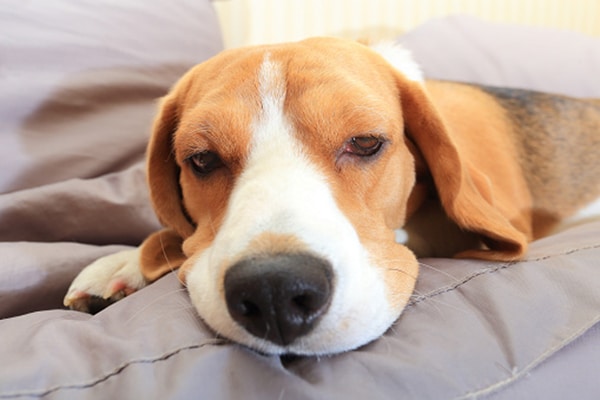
105, 281
90, 304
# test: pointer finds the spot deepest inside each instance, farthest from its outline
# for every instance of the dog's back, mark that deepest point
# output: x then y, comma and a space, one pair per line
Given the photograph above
556, 140
560, 159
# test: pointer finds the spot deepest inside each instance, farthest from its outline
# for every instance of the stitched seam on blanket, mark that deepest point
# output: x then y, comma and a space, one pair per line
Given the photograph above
492, 268
517, 375
39, 393
489, 269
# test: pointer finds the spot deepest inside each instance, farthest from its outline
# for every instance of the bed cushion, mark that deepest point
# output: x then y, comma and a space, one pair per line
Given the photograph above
79, 83
466, 49
528, 329
472, 329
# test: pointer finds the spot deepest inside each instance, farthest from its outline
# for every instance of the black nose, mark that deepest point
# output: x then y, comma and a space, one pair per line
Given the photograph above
278, 297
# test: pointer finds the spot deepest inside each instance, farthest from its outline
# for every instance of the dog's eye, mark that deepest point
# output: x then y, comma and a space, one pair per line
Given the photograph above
205, 162
364, 146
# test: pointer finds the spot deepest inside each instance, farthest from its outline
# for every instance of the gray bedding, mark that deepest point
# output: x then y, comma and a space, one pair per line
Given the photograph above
473, 328
78, 96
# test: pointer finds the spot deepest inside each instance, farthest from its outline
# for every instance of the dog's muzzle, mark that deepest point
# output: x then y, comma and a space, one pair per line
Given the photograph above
279, 297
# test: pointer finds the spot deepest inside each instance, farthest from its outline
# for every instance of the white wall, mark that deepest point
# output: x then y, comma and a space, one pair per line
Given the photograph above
264, 21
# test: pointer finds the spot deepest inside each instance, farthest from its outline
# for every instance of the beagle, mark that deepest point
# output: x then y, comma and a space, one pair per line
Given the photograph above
282, 174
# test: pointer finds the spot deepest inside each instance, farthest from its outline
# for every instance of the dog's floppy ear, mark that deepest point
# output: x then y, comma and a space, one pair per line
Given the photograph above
465, 193
163, 171
161, 253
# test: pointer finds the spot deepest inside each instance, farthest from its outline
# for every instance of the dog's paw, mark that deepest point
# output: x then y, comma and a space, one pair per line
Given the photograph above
105, 281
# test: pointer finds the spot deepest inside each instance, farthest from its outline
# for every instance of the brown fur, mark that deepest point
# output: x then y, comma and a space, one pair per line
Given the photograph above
492, 159
557, 140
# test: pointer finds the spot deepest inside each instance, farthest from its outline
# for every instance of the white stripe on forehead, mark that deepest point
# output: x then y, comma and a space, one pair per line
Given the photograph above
271, 87
280, 184
272, 133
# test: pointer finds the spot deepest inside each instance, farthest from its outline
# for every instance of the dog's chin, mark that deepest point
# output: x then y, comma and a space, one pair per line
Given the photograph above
298, 350
331, 336
310, 345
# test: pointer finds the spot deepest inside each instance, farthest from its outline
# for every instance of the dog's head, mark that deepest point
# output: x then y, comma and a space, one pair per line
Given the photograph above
286, 170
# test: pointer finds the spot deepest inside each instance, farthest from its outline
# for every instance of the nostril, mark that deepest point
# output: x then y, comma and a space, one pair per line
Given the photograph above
308, 305
249, 309
278, 297
303, 303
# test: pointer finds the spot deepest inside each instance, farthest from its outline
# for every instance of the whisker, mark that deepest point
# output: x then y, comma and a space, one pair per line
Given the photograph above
171, 267
446, 305
153, 302
417, 293
418, 296
431, 267
397, 269
413, 277
441, 271
213, 227
421, 264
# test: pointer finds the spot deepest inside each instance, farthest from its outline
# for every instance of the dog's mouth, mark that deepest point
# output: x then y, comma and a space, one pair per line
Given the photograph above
297, 302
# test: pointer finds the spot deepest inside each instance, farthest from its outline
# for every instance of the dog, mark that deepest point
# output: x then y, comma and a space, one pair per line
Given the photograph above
283, 175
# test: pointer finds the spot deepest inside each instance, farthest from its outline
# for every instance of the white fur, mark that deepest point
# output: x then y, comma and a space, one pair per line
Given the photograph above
281, 192
588, 213
104, 276
401, 59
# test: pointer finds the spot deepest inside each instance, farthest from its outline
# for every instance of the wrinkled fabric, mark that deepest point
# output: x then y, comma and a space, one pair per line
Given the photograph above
472, 328
466, 49
80, 81
80, 84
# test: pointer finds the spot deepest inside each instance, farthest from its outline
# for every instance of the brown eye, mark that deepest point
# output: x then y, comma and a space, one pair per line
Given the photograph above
364, 146
205, 162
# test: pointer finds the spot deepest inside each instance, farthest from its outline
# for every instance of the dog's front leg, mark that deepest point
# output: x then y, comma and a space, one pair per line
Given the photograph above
106, 281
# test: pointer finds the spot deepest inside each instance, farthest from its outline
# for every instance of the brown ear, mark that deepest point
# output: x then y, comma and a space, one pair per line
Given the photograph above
161, 253
466, 194
163, 171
